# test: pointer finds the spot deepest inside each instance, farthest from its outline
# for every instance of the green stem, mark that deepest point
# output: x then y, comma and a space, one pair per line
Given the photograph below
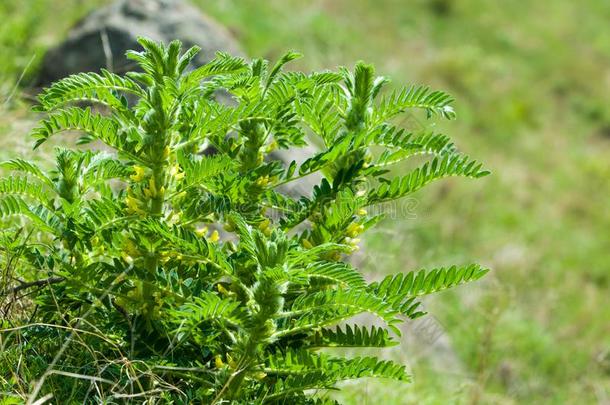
231, 387
156, 211
158, 177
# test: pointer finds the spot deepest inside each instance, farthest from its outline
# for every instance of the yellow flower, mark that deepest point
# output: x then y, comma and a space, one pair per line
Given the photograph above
264, 224
353, 243
214, 237
272, 146
259, 375
222, 290
164, 257
131, 202
362, 212
265, 227
139, 173
202, 231
218, 361
174, 217
133, 205
152, 186
262, 181
354, 229
176, 173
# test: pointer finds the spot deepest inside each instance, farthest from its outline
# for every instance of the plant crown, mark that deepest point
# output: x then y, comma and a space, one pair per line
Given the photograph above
171, 251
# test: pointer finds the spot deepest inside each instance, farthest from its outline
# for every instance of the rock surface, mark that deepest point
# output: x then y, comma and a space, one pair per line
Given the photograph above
101, 39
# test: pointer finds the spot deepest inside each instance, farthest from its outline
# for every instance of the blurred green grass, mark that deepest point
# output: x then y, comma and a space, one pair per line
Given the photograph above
532, 83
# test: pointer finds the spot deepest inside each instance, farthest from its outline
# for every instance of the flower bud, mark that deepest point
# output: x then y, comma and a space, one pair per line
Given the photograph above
307, 244
138, 175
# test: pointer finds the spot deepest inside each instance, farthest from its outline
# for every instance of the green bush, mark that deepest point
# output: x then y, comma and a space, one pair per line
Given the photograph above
166, 263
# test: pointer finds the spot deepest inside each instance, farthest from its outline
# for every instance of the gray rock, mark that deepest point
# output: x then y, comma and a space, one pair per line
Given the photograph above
101, 39
303, 186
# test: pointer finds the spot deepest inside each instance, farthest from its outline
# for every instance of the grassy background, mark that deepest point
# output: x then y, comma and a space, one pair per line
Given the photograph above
532, 83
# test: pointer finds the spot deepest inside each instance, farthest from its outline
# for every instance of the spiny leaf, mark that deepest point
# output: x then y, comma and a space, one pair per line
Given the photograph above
329, 307
287, 57
91, 87
26, 188
76, 119
223, 63
341, 273
446, 166
353, 336
103, 168
209, 306
28, 168
43, 217
434, 102
303, 362
424, 282
401, 290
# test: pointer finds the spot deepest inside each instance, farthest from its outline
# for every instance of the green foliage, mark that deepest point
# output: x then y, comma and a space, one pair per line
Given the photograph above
193, 272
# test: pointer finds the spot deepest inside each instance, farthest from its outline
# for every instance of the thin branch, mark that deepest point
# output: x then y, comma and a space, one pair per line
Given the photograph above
36, 283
